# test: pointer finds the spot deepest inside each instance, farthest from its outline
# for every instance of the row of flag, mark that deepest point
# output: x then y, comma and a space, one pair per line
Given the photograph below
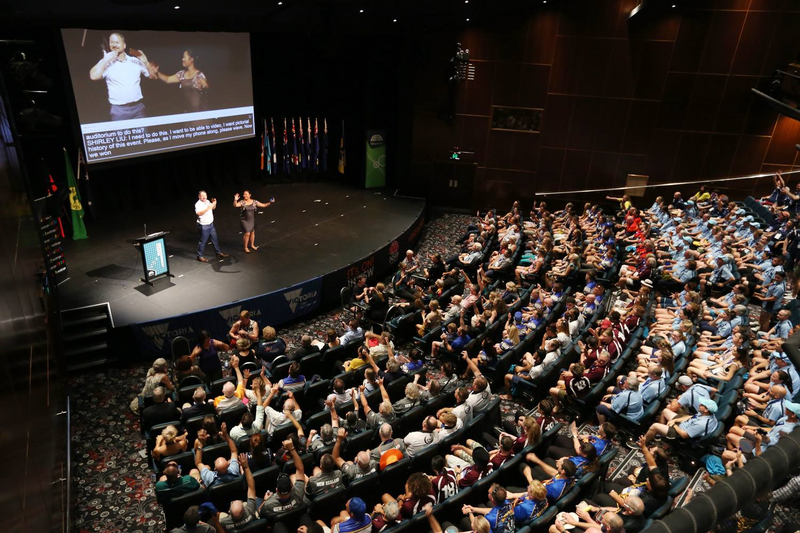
310, 156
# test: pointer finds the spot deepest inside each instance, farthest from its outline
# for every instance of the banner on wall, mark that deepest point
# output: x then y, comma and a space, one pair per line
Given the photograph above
376, 158
274, 308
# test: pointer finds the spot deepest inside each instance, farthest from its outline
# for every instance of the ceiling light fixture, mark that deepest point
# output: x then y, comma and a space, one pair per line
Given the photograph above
360, 10
177, 7
394, 20
467, 20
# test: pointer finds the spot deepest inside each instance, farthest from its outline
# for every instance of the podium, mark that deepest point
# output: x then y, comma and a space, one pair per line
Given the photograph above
154, 257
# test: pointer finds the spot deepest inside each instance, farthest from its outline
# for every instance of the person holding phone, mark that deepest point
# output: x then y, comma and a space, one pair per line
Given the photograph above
247, 217
122, 73
204, 209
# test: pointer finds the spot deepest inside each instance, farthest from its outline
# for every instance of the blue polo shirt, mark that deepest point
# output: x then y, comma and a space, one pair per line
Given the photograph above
353, 525
599, 444
691, 398
775, 289
783, 329
781, 427
774, 410
651, 388
628, 403
526, 510
557, 487
699, 427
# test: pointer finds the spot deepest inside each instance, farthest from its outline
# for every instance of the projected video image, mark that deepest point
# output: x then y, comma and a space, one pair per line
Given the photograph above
145, 92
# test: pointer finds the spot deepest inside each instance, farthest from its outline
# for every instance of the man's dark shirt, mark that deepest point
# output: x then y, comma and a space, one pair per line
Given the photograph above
160, 413
298, 353
196, 410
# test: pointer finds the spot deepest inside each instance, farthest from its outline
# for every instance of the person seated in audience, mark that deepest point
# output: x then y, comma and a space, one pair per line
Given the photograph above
193, 523
663, 359
722, 368
224, 469
259, 455
431, 320
241, 512
443, 480
414, 362
162, 410
497, 457
353, 332
500, 514
295, 381
771, 297
463, 410
530, 504
352, 470
306, 348
248, 425
246, 355
210, 430
375, 420
416, 441
340, 395
275, 418
653, 385
354, 519
688, 427
560, 483
453, 341
388, 442
586, 461
385, 516
172, 484
565, 446
231, 394
206, 355
290, 490
324, 477
626, 519
244, 328
199, 406
624, 400
418, 494
469, 475
763, 439
759, 400
169, 443
157, 376
571, 384
481, 395
184, 368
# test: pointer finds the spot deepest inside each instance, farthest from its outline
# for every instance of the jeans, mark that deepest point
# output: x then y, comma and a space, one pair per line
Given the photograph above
205, 232
127, 112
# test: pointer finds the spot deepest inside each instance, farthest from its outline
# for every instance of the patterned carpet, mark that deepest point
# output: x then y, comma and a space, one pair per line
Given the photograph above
112, 478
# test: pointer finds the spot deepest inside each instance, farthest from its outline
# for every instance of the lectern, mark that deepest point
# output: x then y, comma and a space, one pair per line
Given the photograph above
154, 257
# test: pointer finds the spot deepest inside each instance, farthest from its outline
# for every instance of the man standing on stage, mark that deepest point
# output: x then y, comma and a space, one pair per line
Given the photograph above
205, 223
122, 73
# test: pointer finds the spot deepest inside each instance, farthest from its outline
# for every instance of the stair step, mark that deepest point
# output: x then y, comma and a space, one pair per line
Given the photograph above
84, 320
86, 350
101, 361
86, 334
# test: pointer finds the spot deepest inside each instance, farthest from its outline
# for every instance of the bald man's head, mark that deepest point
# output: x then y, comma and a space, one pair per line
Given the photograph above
237, 510
228, 390
362, 460
778, 391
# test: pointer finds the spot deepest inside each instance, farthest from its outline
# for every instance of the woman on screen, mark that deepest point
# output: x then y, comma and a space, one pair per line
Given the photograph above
247, 218
193, 83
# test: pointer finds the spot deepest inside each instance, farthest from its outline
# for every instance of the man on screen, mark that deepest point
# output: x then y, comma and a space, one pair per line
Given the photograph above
122, 73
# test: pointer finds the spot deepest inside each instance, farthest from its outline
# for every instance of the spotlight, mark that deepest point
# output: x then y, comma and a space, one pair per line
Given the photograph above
280, 3
394, 20
467, 20
360, 10
177, 7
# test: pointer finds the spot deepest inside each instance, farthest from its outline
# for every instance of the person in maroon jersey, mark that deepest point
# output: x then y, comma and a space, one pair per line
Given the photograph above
443, 482
418, 494
469, 475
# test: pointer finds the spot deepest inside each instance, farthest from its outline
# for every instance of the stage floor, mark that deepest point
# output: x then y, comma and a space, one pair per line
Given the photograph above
311, 230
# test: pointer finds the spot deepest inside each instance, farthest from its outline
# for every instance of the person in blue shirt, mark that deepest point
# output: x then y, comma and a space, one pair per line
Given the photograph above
764, 439
771, 415
771, 299
653, 386
695, 427
782, 329
559, 484
720, 277
354, 519
628, 402
500, 514
531, 504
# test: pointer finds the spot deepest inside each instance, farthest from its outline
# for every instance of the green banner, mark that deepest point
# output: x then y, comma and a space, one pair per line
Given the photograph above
376, 158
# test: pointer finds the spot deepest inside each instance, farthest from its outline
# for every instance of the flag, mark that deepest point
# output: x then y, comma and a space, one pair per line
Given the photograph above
266, 148
286, 162
325, 144
87, 188
315, 160
294, 145
273, 148
78, 228
263, 145
310, 147
51, 190
342, 155
302, 144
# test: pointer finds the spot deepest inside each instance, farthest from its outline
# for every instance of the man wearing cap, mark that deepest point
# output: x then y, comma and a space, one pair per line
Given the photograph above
697, 427
771, 299
765, 439
290, 490
354, 519
689, 400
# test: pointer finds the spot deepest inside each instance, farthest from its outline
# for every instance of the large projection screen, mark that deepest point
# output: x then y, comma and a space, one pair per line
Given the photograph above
148, 92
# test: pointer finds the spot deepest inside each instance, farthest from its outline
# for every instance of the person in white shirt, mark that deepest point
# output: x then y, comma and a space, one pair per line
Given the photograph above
204, 209
122, 74
415, 441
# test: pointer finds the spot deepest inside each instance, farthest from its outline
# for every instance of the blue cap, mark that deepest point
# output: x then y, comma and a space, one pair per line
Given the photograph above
358, 508
688, 239
793, 407
206, 511
518, 316
712, 222
711, 405
689, 202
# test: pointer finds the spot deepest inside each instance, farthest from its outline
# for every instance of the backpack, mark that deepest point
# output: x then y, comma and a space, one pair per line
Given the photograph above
504, 523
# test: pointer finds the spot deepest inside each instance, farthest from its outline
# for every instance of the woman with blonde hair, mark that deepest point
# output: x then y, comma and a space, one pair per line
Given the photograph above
431, 320
157, 376
169, 443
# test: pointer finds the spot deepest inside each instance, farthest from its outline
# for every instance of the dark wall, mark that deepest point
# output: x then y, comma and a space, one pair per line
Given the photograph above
667, 96
34, 441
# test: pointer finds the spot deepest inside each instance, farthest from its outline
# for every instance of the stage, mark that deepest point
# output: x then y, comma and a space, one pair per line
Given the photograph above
313, 241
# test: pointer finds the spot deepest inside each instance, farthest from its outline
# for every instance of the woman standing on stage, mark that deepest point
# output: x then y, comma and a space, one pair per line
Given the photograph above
247, 218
